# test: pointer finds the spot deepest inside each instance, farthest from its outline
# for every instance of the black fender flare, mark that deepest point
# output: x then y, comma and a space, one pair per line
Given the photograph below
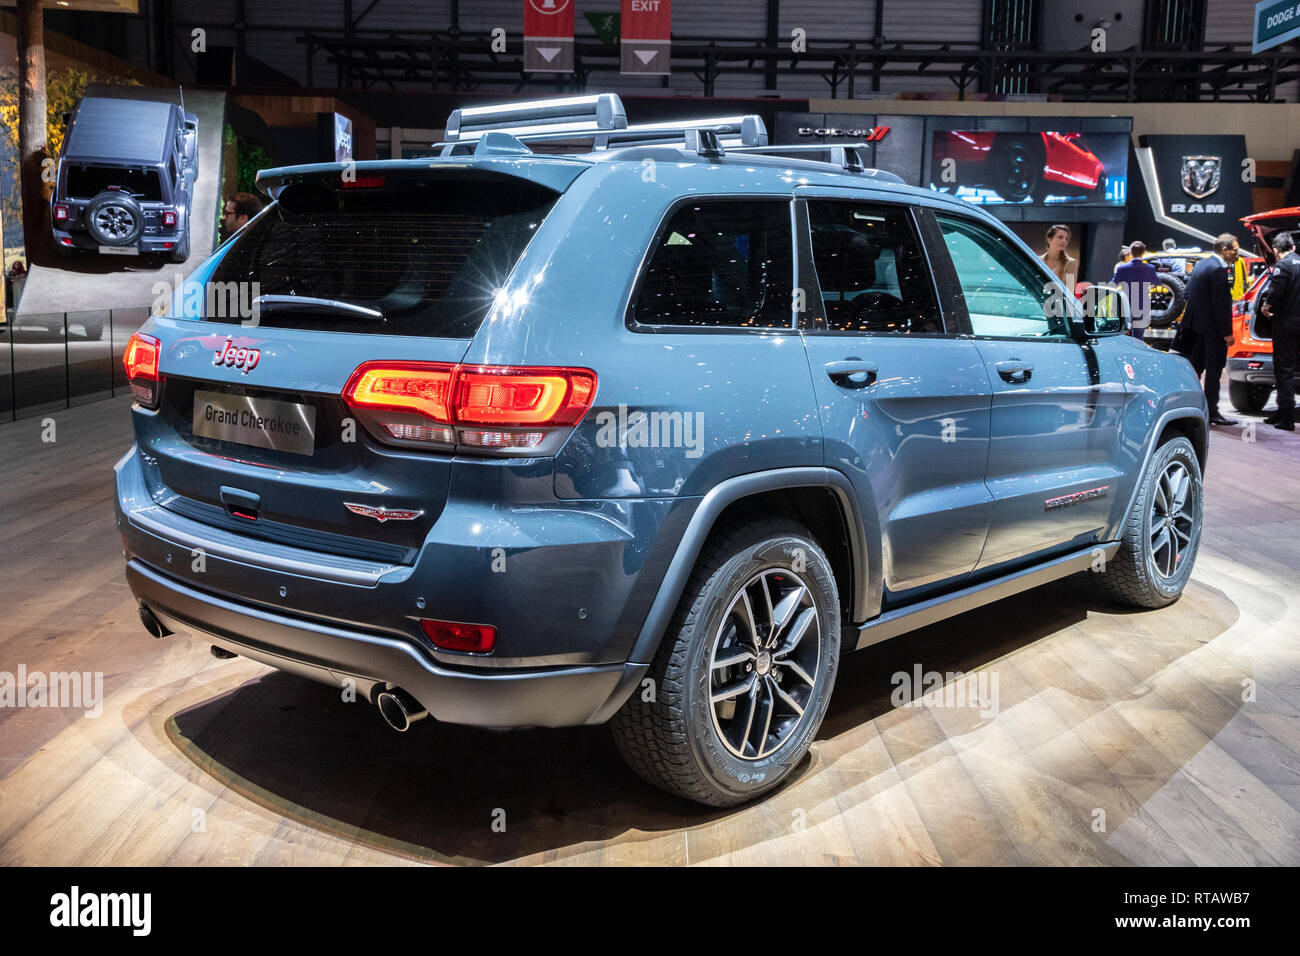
705, 517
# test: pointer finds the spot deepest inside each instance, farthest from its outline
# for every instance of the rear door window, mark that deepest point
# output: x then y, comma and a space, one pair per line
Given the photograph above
721, 263
872, 273
429, 257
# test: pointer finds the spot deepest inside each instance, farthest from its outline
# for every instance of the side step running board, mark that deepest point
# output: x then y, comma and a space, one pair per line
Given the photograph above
900, 621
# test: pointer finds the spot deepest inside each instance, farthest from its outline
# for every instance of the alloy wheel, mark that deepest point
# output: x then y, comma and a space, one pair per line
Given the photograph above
1173, 519
764, 663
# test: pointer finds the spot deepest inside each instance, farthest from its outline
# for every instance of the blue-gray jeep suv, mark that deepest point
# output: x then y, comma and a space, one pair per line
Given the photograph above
647, 434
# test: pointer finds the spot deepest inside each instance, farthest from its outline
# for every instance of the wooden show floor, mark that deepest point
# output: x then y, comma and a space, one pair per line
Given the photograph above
1120, 738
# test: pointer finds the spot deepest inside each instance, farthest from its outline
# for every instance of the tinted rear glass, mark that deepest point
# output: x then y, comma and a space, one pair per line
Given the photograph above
429, 255
89, 181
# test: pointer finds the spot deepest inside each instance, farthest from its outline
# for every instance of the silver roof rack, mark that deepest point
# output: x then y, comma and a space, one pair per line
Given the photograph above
572, 117
601, 117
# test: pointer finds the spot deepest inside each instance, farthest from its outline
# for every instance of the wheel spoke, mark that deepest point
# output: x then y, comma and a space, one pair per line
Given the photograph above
746, 611
796, 633
1162, 500
761, 749
734, 689
785, 610
1182, 483
736, 654
790, 701
1160, 543
799, 671
749, 716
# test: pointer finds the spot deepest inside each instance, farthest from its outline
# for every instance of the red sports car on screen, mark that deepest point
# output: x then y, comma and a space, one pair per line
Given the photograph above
1018, 166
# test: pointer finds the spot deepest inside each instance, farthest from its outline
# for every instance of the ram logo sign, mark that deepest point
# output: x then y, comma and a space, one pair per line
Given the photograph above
1201, 175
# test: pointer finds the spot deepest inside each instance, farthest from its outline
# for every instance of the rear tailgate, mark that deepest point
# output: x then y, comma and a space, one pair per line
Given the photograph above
251, 432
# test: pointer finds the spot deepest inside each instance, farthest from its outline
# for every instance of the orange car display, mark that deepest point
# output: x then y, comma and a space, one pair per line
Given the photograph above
1250, 356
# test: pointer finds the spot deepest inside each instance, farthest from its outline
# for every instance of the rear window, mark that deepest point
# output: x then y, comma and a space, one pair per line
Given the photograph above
721, 263
87, 182
430, 256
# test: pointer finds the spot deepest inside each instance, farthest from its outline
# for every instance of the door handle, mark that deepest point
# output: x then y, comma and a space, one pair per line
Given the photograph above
240, 503
852, 373
1015, 371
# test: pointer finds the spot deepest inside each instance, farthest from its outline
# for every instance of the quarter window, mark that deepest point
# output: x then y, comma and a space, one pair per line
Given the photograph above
721, 263
1005, 295
872, 274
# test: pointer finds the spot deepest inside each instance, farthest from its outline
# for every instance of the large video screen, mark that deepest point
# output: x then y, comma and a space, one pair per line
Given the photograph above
996, 167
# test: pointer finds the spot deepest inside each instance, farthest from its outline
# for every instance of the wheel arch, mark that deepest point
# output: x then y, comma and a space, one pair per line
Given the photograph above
822, 499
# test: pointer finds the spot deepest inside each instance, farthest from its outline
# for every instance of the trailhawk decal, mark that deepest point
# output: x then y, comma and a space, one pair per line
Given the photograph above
1064, 501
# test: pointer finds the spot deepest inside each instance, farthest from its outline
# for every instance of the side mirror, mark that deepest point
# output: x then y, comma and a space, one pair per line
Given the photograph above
1106, 311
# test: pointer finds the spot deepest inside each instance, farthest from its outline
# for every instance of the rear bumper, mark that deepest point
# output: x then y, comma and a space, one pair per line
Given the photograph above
556, 697
1240, 370
82, 240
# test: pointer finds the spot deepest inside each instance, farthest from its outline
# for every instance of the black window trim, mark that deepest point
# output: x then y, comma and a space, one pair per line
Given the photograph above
629, 317
804, 235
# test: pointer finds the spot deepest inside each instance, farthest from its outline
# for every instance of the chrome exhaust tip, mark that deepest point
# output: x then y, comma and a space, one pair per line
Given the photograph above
399, 709
152, 624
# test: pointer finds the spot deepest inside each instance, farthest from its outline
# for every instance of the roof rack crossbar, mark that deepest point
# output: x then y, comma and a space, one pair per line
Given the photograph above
741, 130
574, 116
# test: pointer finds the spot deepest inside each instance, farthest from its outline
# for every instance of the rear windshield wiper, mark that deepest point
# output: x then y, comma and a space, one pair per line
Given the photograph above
307, 303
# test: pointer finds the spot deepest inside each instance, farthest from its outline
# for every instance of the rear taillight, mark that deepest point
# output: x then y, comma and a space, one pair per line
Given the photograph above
169, 218
490, 407
60, 213
141, 362
450, 636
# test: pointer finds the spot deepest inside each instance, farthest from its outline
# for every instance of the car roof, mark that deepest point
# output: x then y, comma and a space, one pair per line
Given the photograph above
118, 130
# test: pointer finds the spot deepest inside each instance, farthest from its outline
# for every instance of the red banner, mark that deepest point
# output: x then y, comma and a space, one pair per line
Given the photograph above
646, 28
548, 36
647, 19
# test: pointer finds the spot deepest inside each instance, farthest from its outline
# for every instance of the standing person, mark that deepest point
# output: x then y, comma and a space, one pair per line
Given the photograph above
1282, 305
1058, 260
239, 208
1125, 255
1208, 319
1137, 277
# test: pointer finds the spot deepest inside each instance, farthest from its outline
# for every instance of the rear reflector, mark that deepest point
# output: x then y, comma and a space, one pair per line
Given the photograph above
450, 636
498, 396
141, 363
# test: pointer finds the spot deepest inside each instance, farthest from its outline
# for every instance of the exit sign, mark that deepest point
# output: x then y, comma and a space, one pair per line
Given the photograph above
1276, 21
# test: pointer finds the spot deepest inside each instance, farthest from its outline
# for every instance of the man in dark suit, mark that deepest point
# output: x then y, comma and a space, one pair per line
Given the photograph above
1208, 319
1282, 306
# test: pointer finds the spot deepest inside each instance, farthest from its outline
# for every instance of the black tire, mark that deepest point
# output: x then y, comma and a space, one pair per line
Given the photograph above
1136, 574
113, 218
676, 741
1168, 299
1020, 168
1249, 398
182, 252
